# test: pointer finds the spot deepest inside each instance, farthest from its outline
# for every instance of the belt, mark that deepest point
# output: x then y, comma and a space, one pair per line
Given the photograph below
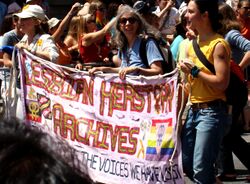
204, 105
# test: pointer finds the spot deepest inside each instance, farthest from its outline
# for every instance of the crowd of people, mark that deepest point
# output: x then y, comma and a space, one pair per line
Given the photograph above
107, 36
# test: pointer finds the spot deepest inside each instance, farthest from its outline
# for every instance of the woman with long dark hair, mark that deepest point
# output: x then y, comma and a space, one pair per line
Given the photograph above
130, 30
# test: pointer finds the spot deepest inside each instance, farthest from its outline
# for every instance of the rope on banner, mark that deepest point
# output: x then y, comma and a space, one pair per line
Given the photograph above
11, 97
179, 124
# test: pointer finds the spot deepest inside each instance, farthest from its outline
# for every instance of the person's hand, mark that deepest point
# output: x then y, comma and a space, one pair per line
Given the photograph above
186, 66
170, 3
21, 45
75, 8
94, 69
78, 66
190, 34
124, 71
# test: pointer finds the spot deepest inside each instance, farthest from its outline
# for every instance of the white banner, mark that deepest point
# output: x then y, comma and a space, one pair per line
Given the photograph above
124, 130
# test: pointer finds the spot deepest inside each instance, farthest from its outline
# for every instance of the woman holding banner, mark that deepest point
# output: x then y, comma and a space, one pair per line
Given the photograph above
35, 41
203, 130
130, 29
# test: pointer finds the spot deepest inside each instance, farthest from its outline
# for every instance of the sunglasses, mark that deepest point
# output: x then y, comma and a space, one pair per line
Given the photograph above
246, 8
131, 20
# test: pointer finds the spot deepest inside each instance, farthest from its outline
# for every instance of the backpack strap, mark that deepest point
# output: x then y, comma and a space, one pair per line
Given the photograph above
143, 52
167, 66
202, 57
143, 49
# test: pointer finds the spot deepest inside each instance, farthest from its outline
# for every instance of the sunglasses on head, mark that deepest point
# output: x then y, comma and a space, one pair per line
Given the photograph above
131, 20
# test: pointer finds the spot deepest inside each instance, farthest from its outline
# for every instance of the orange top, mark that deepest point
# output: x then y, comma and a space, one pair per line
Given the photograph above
245, 31
64, 55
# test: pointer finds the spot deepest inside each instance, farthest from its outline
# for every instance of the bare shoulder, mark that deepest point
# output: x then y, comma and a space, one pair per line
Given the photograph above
220, 51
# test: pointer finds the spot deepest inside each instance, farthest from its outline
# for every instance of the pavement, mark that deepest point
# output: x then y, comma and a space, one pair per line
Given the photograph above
240, 169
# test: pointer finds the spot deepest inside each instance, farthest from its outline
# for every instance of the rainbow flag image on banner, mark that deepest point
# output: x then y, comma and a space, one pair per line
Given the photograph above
160, 143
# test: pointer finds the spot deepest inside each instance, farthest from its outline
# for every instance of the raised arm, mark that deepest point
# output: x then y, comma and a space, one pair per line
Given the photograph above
90, 38
65, 22
167, 8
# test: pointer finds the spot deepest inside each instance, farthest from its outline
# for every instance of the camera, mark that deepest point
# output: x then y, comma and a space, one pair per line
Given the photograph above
144, 6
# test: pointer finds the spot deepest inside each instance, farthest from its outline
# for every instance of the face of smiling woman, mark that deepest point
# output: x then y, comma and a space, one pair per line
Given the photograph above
128, 24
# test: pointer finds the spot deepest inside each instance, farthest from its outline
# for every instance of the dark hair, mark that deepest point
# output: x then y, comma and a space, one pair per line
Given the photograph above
112, 10
7, 25
128, 2
29, 156
42, 27
229, 20
210, 6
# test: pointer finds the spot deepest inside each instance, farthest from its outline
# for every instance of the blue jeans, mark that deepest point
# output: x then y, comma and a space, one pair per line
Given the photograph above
201, 137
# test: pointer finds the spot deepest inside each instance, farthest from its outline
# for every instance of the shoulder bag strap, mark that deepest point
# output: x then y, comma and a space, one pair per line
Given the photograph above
202, 57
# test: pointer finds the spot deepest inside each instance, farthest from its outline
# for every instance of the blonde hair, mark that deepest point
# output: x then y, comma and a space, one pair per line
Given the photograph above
83, 23
74, 27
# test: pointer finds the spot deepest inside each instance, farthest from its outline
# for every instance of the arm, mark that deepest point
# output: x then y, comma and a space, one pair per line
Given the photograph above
165, 10
70, 42
245, 60
7, 60
73, 47
90, 38
155, 69
237, 40
103, 69
221, 64
48, 50
57, 35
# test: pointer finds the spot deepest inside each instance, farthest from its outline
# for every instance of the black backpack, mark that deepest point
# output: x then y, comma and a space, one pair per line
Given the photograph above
168, 63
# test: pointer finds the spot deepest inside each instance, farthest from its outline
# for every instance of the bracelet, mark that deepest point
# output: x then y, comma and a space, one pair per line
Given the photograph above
195, 71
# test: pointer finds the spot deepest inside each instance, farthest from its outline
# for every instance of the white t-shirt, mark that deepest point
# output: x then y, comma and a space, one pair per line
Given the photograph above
43, 42
169, 21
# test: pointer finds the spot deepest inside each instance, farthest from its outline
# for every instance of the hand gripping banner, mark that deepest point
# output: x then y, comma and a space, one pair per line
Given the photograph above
123, 130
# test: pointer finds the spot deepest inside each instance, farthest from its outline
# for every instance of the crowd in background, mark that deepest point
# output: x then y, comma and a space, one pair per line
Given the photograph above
107, 36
